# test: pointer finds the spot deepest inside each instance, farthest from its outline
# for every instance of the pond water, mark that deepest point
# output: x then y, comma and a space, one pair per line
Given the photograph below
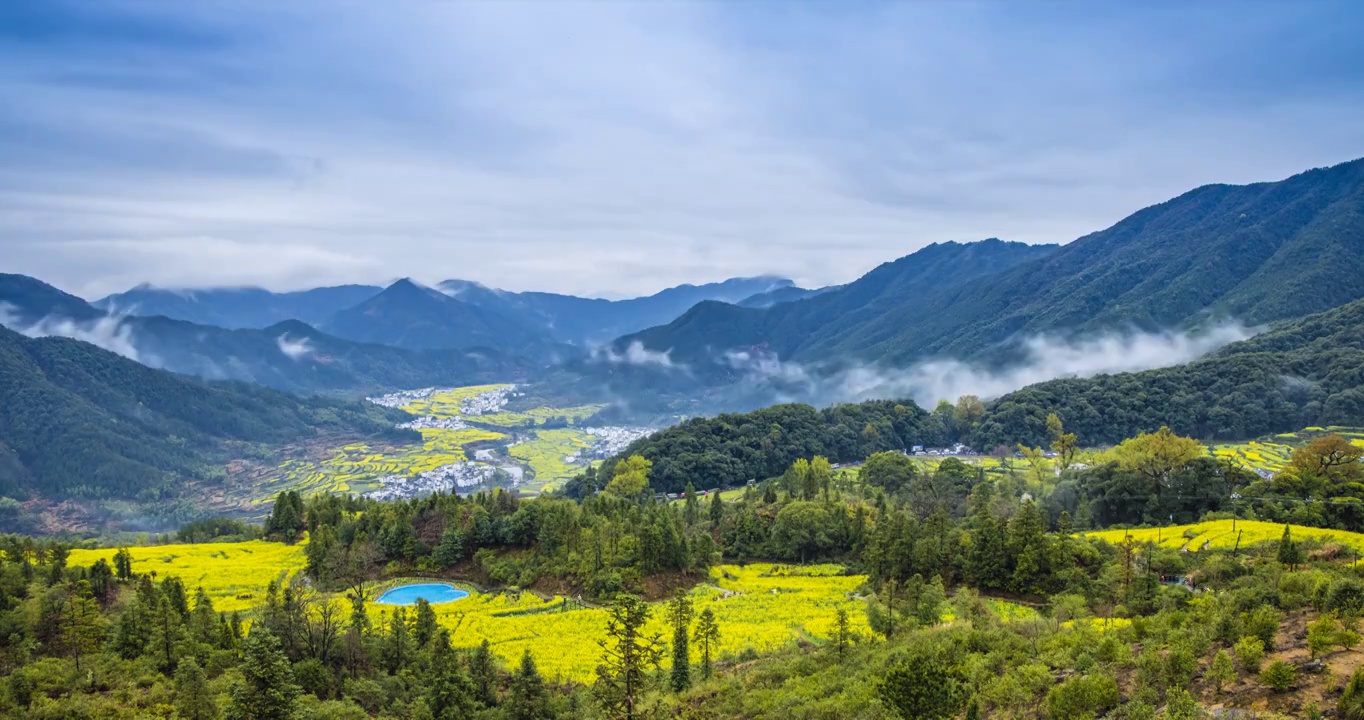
431, 592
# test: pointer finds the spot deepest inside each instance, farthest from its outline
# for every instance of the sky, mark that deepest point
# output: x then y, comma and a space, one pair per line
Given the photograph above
615, 148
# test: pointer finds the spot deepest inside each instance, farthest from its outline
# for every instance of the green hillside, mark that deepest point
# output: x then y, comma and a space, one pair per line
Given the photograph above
79, 422
1303, 373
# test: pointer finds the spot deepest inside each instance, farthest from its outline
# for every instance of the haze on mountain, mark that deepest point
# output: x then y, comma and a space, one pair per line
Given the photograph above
1252, 253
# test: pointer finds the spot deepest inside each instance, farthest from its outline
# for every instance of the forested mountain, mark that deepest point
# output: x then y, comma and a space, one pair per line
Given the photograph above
583, 321
731, 449
415, 317
78, 421
1302, 373
288, 355
861, 314
244, 307
1259, 253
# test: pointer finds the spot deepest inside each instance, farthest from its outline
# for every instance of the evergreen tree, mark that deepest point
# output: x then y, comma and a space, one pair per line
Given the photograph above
842, 632
529, 698
123, 564
451, 693
167, 635
484, 671
627, 655
451, 548
267, 690
424, 623
1290, 553
397, 650
707, 638
717, 509
680, 617
193, 700
692, 508
920, 687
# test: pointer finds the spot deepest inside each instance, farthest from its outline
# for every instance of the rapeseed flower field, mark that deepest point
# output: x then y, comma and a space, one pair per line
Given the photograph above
235, 575
1220, 534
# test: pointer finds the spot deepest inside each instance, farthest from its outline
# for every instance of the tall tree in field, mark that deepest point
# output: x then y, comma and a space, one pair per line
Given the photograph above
627, 655
717, 510
707, 638
692, 511
1156, 455
842, 632
1290, 552
483, 671
123, 564
267, 690
680, 617
193, 699
529, 698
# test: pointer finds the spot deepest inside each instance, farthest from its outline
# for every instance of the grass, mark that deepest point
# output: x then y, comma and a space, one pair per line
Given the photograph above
233, 574
1218, 534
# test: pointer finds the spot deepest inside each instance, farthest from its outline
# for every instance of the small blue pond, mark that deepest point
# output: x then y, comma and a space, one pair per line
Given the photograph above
430, 592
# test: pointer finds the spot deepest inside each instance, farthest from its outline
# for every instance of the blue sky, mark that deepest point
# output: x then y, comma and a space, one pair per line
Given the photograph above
620, 147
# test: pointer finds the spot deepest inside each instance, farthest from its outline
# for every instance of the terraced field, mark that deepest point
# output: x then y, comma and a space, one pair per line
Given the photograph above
1219, 534
538, 416
1273, 454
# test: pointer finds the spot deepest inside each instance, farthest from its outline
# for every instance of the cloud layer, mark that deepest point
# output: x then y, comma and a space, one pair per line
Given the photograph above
621, 147
1043, 358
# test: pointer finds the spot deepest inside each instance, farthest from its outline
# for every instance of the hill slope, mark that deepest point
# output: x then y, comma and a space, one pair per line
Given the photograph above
1261, 252
1301, 373
78, 421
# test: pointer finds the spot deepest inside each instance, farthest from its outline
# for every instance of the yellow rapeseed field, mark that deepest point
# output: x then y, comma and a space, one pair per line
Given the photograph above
1219, 534
233, 574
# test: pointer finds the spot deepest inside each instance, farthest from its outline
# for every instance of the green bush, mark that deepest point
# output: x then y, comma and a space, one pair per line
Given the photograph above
1279, 676
1083, 697
1250, 652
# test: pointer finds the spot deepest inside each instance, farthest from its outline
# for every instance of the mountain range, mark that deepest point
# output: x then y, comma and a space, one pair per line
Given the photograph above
288, 355
1256, 253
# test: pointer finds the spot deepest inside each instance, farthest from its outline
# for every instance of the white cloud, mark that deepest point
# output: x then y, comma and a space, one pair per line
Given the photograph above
108, 332
1044, 358
636, 354
622, 147
295, 349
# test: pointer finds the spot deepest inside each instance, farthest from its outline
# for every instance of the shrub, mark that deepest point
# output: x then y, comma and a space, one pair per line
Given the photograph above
1279, 676
1351, 705
1250, 652
1083, 697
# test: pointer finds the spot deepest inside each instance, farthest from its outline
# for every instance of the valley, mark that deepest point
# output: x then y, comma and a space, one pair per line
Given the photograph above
474, 438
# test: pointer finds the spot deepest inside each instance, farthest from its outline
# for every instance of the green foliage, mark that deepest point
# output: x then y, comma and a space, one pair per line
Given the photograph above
1279, 676
1351, 706
1250, 652
919, 686
1083, 697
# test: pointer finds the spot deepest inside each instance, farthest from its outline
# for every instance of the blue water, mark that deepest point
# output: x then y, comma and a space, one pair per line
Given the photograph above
430, 592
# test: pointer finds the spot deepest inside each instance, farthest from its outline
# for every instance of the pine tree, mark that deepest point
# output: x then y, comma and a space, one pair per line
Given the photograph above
622, 676
451, 548
717, 510
1290, 553
397, 648
842, 632
529, 698
424, 623
193, 700
451, 693
692, 508
484, 671
707, 638
123, 564
267, 690
680, 616
167, 634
